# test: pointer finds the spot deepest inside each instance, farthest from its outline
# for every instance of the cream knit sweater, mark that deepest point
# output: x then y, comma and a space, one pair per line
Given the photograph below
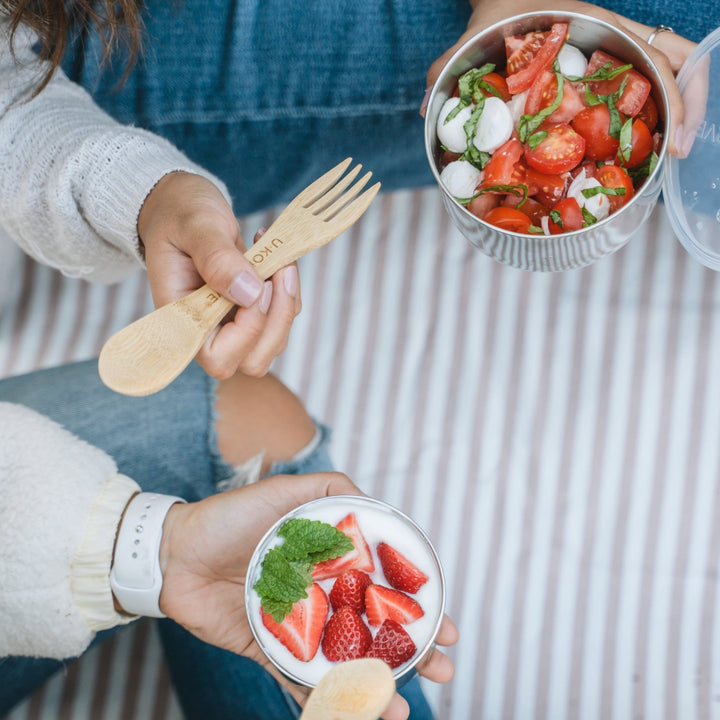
72, 182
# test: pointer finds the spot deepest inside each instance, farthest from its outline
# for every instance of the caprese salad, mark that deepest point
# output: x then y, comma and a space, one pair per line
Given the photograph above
553, 142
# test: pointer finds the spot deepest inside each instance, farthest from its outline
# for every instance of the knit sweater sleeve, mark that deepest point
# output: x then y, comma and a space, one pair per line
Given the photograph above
60, 504
73, 180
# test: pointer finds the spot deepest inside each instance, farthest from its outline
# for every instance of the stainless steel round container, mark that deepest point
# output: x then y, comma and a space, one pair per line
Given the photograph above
571, 250
318, 510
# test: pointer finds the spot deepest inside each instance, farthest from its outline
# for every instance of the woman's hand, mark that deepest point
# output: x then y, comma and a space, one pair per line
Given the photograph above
191, 237
205, 550
668, 51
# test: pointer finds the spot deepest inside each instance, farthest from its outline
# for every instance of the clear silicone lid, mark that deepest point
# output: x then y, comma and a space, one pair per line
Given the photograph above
692, 183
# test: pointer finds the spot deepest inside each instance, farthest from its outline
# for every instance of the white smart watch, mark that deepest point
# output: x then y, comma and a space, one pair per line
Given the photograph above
135, 577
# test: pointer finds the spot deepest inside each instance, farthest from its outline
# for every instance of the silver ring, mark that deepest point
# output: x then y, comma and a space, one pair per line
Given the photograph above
659, 29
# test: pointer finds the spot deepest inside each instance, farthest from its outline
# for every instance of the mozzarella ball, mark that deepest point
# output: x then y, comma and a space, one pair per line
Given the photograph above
516, 105
572, 61
598, 205
494, 127
460, 178
452, 134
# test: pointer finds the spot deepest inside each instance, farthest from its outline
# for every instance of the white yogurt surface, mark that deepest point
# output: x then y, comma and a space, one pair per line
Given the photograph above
378, 523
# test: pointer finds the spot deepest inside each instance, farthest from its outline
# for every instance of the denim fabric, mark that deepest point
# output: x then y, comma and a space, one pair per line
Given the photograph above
166, 442
268, 94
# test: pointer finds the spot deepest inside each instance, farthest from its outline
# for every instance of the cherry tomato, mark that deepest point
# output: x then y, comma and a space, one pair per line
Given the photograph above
532, 208
521, 49
593, 123
571, 217
499, 169
534, 61
545, 188
649, 113
641, 145
561, 150
637, 89
497, 82
543, 92
613, 176
508, 219
482, 204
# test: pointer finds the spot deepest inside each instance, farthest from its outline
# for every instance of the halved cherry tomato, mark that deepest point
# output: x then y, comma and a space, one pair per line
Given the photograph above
498, 83
637, 89
539, 60
649, 113
593, 123
499, 169
508, 219
613, 176
545, 188
571, 217
641, 145
560, 150
543, 92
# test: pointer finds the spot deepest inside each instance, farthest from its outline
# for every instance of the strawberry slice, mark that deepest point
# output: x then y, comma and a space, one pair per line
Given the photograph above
399, 571
392, 644
382, 603
349, 589
346, 636
301, 631
360, 557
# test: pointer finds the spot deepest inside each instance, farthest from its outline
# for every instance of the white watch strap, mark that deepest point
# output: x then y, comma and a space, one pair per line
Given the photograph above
136, 578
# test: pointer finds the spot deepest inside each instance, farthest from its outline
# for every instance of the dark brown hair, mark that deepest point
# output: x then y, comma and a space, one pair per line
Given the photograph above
118, 22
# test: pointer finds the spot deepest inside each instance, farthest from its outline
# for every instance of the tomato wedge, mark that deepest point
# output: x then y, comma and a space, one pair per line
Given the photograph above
560, 150
543, 92
508, 219
641, 145
521, 49
568, 215
637, 89
541, 59
593, 123
613, 176
498, 84
546, 188
499, 169
649, 113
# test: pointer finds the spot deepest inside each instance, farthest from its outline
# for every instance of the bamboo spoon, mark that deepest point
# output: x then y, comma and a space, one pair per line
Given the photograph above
353, 690
151, 352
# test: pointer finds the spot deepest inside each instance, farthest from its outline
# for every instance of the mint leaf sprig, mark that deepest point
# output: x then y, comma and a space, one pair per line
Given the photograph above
287, 568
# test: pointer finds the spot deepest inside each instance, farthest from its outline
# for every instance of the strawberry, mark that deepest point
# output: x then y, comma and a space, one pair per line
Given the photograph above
349, 589
300, 631
346, 636
392, 644
399, 571
360, 557
383, 602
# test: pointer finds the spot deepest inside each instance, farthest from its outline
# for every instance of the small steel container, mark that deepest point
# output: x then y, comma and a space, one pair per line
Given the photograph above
332, 509
548, 252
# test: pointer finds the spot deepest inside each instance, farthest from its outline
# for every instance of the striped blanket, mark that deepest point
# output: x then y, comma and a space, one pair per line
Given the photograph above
556, 435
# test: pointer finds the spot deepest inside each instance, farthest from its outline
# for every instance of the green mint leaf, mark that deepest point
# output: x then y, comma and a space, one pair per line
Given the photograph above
280, 579
342, 546
277, 608
304, 537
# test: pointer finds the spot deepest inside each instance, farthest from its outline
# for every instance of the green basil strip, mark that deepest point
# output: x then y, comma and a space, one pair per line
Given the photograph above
536, 138
530, 123
588, 217
535, 230
468, 88
470, 125
556, 218
604, 72
477, 158
600, 190
625, 149
519, 189
639, 173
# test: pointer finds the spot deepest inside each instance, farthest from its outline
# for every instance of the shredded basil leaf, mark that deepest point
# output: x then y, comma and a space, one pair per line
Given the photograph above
625, 149
556, 218
588, 217
536, 138
530, 123
604, 72
469, 88
600, 190
519, 189
639, 173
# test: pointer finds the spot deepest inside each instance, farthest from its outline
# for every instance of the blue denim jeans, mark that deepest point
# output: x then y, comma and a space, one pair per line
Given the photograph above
268, 94
167, 443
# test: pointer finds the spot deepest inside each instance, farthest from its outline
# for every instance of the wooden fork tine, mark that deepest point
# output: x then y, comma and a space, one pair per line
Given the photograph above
324, 201
345, 198
313, 191
345, 218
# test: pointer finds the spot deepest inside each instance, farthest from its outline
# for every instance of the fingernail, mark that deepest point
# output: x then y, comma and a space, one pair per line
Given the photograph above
245, 289
688, 140
290, 280
679, 138
260, 232
423, 104
266, 297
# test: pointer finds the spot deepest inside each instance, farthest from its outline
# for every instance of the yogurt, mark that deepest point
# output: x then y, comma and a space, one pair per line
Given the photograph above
379, 522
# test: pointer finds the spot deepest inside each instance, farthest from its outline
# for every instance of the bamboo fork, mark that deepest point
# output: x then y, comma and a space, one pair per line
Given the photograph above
151, 352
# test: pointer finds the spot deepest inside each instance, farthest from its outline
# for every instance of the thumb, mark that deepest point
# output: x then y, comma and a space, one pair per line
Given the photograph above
227, 270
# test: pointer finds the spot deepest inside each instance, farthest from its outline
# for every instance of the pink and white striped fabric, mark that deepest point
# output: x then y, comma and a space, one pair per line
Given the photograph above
556, 435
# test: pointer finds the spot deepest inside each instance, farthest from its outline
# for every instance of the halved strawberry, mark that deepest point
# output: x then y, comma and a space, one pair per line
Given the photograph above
383, 602
399, 571
349, 589
392, 644
301, 631
360, 557
346, 636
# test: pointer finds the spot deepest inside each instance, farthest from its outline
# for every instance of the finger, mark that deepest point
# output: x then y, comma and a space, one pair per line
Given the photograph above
448, 633
398, 709
281, 313
438, 667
